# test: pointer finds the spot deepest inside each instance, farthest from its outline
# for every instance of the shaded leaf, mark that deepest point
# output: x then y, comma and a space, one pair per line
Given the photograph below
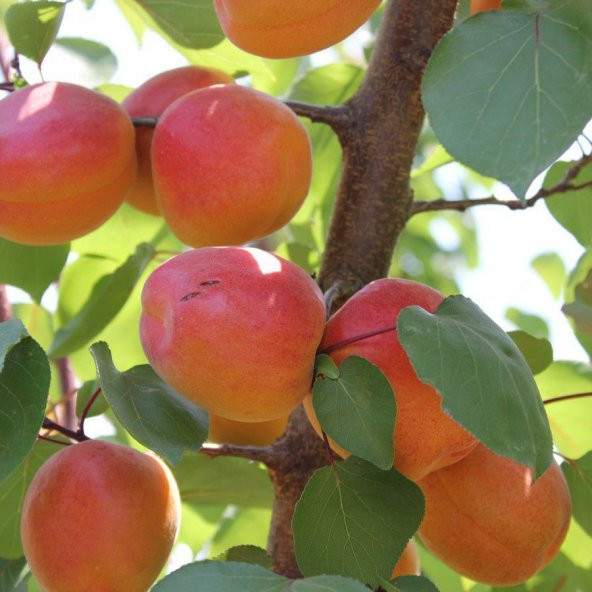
410, 584
355, 520
33, 26
247, 554
483, 379
13, 574
538, 353
578, 474
358, 410
218, 576
507, 93
31, 269
223, 480
85, 394
11, 333
107, 298
150, 410
24, 386
580, 310
12, 496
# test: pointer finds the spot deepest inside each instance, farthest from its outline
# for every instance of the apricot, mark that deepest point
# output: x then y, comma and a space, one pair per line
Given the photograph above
228, 431
67, 162
488, 520
150, 100
100, 516
425, 437
230, 165
408, 564
484, 5
281, 29
233, 329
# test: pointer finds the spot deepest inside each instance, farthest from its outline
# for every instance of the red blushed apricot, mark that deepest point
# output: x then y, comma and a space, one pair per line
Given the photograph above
227, 431
484, 5
150, 100
408, 564
230, 165
425, 437
233, 329
100, 516
281, 29
488, 520
67, 162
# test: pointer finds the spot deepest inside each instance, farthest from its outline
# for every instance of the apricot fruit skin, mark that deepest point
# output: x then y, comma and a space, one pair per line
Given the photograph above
484, 5
408, 564
149, 100
233, 329
99, 517
67, 162
230, 165
280, 29
425, 437
487, 520
240, 433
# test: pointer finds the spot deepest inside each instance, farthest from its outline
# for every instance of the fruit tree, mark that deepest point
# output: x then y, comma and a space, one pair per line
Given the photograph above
235, 351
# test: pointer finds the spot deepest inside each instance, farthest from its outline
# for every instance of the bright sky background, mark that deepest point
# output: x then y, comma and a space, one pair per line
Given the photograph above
508, 240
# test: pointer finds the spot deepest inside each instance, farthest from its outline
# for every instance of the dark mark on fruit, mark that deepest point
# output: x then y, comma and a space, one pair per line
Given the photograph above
210, 283
190, 296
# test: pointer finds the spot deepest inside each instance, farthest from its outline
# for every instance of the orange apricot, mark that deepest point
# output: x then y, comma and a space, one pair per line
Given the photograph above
230, 165
488, 520
233, 329
100, 516
280, 29
408, 564
150, 100
425, 437
67, 162
228, 431
484, 5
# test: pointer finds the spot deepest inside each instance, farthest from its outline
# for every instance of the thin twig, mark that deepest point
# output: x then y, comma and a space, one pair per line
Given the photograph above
87, 407
356, 338
49, 424
567, 398
334, 117
264, 454
461, 205
47, 439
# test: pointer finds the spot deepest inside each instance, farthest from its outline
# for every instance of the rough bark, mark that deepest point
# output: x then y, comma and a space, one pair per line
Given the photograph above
379, 136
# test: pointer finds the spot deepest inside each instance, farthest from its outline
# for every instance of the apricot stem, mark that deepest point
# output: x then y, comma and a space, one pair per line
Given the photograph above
87, 408
77, 435
144, 121
356, 338
567, 398
47, 439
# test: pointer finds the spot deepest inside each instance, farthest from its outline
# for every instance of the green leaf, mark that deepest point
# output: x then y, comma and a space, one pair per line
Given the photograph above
85, 394
24, 386
87, 62
580, 310
529, 323
358, 410
150, 410
508, 93
12, 496
572, 209
538, 353
578, 474
242, 526
33, 26
13, 574
247, 554
32, 269
217, 576
11, 333
221, 481
439, 157
410, 584
193, 25
355, 520
483, 379
108, 297
551, 269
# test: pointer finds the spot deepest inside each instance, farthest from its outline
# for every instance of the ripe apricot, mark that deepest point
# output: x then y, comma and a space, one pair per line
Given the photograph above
230, 165
488, 520
150, 100
233, 329
483, 5
228, 431
425, 437
408, 564
100, 516
281, 29
67, 162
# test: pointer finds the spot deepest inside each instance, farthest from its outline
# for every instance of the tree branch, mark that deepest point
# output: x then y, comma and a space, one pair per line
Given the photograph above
265, 455
564, 186
337, 118
5, 307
